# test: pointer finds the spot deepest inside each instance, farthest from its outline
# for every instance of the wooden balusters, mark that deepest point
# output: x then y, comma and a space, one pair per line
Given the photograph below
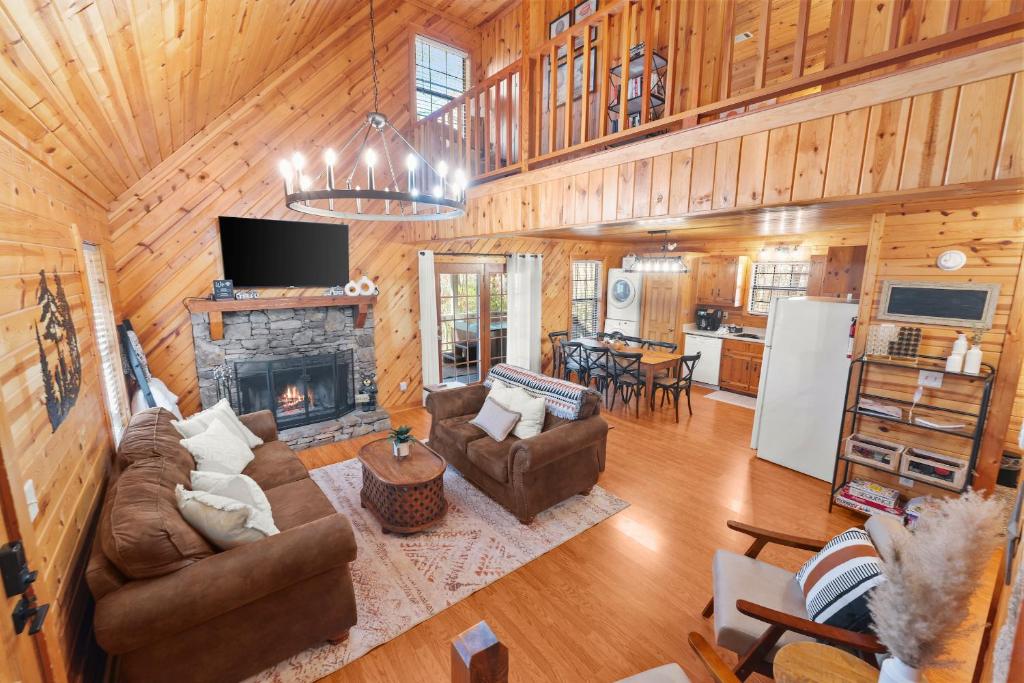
624, 28
803, 20
602, 77
585, 89
645, 83
763, 30
552, 95
479, 657
671, 77
570, 72
725, 50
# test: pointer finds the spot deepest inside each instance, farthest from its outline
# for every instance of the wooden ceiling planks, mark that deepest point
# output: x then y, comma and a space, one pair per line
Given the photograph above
104, 91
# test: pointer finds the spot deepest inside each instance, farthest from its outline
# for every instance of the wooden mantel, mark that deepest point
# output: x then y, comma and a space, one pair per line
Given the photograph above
216, 308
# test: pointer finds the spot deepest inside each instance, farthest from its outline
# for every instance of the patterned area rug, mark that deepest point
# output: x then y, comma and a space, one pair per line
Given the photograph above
403, 580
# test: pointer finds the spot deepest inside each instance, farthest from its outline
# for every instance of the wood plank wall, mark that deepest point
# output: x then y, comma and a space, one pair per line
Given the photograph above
67, 466
940, 136
992, 237
501, 43
164, 230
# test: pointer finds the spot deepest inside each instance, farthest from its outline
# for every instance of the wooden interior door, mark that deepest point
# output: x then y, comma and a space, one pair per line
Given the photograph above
472, 311
661, 306
20, 658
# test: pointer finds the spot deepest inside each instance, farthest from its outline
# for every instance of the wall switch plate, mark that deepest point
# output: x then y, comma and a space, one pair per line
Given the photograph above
909, 483
403, 386
927, 378
31, 500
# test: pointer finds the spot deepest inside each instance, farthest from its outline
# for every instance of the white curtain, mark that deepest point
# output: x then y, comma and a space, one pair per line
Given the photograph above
429, 349
524, 304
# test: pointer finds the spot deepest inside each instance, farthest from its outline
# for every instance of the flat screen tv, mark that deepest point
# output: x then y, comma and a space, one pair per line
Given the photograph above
264, 253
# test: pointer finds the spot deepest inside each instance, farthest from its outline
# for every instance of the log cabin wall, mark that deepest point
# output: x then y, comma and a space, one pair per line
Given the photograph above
501, 43
164, 229
41, 219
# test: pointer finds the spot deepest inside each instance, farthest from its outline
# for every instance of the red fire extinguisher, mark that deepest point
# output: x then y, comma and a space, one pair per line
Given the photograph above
853, 333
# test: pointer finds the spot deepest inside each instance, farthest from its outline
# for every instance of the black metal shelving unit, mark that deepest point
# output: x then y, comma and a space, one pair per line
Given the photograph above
852, 414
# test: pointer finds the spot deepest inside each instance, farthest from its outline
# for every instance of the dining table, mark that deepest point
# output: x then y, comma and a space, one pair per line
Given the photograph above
651, 360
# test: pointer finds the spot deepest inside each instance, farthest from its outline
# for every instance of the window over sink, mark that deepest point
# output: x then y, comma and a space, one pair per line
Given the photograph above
769, 280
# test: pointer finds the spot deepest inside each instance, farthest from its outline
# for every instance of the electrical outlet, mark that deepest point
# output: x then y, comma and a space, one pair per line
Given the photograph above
909, 483
927, 378
403, 386
31, 499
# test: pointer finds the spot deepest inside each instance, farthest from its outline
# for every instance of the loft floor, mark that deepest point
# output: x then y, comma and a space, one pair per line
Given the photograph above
622, 597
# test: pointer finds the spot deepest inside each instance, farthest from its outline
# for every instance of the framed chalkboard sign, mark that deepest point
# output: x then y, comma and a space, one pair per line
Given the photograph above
223, 289
958, 304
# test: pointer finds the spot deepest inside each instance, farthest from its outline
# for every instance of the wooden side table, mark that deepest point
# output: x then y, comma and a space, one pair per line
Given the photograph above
405, 495
817, 663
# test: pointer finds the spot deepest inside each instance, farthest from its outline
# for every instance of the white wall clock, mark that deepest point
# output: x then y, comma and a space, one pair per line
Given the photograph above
952, 260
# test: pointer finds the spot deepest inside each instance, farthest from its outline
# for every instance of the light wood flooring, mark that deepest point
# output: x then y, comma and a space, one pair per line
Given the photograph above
621, 597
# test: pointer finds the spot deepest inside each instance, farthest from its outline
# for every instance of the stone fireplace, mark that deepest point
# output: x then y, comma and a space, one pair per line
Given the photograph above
303, 364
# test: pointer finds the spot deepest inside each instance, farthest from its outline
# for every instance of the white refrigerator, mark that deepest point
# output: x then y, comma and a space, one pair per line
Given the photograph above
801, 397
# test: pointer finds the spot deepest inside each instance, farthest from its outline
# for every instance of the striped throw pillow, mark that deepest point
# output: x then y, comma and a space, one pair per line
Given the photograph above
836, 582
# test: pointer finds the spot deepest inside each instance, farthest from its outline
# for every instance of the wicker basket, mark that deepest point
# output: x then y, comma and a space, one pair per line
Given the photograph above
870, 450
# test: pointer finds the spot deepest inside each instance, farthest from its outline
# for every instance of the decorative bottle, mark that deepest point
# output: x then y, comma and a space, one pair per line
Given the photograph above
972, 359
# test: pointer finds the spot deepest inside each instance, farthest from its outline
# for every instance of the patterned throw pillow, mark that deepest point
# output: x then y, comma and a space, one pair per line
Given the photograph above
836, 582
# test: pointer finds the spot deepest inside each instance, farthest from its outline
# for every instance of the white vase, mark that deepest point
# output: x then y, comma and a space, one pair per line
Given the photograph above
400, 450
895, 671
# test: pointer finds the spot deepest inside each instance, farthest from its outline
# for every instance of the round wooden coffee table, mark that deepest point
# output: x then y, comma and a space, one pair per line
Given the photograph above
404, 495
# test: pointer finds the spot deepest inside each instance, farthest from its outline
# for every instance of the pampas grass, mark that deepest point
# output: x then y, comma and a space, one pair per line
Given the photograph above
931, 575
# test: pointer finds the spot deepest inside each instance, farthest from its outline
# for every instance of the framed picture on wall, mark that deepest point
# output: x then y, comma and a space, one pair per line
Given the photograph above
581, 12
561, 79
560, 25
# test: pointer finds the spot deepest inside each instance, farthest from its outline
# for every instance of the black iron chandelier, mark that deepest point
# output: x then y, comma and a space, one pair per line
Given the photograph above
424, 192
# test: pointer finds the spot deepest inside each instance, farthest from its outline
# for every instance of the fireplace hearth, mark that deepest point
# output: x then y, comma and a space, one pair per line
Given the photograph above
298, 363
299, 391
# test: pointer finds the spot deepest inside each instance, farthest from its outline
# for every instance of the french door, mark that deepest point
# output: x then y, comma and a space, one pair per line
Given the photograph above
472, 306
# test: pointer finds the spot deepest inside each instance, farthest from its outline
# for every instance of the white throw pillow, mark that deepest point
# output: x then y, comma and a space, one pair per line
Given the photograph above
238, 487
218, 450
531, 408
224, 522
163, 396
198, 423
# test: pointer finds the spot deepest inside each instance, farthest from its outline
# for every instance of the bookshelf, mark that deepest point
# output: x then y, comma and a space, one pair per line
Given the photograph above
854, 415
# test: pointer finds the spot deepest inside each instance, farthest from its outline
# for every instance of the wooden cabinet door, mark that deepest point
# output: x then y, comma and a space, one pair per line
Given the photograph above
725, 281
754, 378
661, 307
706, 276
844, 271
732, 373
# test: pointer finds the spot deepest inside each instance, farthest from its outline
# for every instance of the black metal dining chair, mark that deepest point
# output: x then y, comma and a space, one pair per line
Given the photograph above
627, 379
670, 347
681, 380
598, 371
556, 351
574, 361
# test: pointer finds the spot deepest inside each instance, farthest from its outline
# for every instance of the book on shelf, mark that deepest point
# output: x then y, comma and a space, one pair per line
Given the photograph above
872, 491
845, 499
867, 405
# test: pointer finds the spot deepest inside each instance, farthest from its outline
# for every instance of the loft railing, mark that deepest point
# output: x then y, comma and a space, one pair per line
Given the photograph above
682, 80
479, 130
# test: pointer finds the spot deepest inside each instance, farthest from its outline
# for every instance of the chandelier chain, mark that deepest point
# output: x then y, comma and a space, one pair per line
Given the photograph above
373, 60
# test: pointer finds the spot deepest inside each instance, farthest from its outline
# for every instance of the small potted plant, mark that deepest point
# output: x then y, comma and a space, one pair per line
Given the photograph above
401, 438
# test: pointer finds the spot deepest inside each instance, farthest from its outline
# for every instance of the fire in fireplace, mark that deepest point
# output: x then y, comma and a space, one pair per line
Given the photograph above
298, 390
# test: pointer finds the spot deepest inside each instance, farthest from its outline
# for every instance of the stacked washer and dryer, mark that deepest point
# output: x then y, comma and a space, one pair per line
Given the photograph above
625, 296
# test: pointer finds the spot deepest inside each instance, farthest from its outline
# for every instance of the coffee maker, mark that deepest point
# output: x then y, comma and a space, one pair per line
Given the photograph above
709, 319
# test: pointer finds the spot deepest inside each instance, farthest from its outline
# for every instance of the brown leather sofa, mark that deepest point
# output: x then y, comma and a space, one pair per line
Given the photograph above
171, 607
525, 476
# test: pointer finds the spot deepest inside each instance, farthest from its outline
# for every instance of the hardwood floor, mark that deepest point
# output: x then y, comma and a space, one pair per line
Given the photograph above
621, 597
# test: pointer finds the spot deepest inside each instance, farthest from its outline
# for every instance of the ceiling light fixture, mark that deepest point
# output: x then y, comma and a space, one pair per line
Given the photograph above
424, 194
665, 263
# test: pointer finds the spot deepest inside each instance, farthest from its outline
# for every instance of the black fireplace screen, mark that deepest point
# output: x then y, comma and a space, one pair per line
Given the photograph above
298, 390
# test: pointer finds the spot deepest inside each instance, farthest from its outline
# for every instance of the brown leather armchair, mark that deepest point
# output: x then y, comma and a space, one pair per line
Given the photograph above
525, 476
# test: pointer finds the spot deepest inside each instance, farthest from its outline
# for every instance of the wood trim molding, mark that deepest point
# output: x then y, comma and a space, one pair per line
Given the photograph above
216, 309
1004, 389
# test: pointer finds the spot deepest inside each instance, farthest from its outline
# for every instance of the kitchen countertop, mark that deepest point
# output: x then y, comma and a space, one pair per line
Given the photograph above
691, 328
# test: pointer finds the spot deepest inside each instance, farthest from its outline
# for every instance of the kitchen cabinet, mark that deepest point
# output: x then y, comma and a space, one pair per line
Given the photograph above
740, 369
838, 273
720, 280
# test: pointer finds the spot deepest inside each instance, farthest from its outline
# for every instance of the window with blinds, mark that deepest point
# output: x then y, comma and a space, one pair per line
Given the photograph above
771, 280
441, 75
114, 392
586, 298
